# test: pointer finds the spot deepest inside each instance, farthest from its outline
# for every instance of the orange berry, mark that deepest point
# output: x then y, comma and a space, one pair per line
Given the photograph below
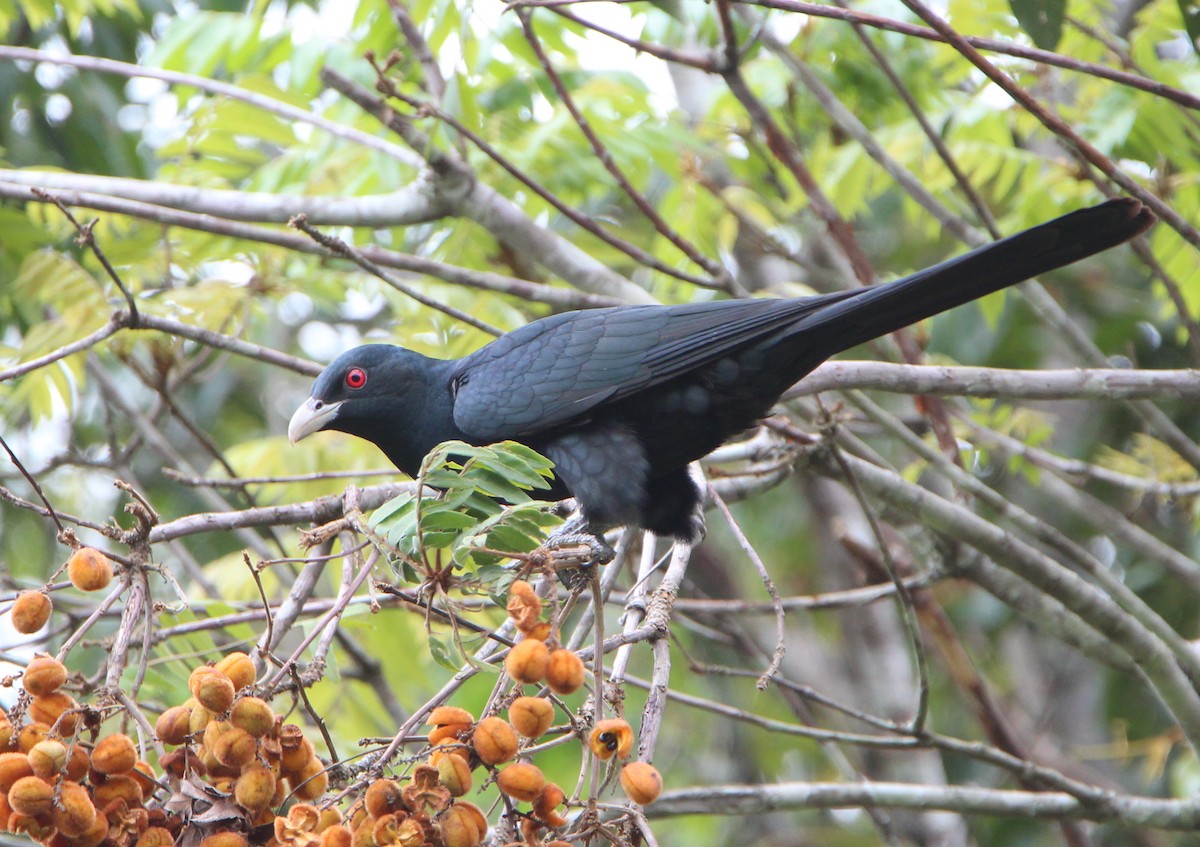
443, 715
78, 763
118, 787
462, 825
114, 754
564, 672
214, 690
225, 839
455, 774
47, 758
174, 725
253, 715
13, 766
235, 748
31, 796
295, 750
44, 675
94, 836
531, 716
239, 668
55, 707
447, 732
89, 569
75, 813
254, 788
610, 736
494, 740
384, 797
522, 781
31, 734
156, 836
198, 718
178, 763
143, 775
526, 662
546, 805
337, 835
642, 782
30, 611
311, 781
524, 606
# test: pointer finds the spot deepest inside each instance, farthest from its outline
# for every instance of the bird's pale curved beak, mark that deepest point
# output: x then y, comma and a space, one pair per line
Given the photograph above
312, 416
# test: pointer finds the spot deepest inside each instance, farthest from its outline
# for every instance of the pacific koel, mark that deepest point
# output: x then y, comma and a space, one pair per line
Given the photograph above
623, 399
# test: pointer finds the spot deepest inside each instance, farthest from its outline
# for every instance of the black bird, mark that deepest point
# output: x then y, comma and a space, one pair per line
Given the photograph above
622, 399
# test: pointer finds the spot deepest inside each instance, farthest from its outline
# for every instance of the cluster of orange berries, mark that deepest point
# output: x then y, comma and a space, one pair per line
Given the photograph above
88, 569
64, 791
531, 661
55, 790
244, 750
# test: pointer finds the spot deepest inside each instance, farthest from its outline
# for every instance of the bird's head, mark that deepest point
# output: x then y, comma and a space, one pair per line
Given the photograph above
361, 389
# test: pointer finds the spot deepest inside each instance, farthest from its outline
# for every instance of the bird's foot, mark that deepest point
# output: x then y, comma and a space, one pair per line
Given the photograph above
573, 551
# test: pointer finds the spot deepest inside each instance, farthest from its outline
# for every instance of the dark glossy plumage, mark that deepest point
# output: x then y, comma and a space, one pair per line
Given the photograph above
622, 399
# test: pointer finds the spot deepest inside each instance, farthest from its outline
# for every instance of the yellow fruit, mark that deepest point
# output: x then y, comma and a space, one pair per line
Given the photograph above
119, 787
296, 750
642, 782
611, 736
443, 715
174, 725
239, 668
522, 781
213, 690
337, 835
199, 718
225, 839
253, 715
47, 758
13, 766
31, 796
44, 675
235, 748
94, 835
55, 708
254, 788
462, 825
455, 774
546, 805
78, 763
75, 813
526, 662
114, 754
156, 836
311, 781
494, 740
31, 734
564, 672
30, 611
524, 606
384, 797
89, 569
531, 716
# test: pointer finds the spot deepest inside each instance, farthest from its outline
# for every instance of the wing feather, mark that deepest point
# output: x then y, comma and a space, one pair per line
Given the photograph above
558, 370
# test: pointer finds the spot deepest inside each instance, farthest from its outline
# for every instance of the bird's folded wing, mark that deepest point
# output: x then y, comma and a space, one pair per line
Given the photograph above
556, 372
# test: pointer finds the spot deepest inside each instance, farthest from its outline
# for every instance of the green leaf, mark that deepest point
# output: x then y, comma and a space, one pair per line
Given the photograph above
443, 653
1042, 20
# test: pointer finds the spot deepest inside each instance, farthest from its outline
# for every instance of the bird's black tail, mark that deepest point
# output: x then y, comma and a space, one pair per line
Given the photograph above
885, 308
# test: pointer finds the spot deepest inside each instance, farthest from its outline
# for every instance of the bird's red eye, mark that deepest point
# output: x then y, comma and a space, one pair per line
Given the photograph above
356, 378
